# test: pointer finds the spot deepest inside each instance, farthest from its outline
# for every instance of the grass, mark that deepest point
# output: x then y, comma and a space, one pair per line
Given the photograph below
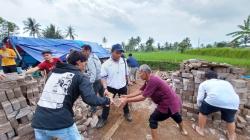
176, 57
243, 53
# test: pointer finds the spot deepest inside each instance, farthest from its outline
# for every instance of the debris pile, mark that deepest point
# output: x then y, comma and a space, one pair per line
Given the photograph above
186, 82
83, 117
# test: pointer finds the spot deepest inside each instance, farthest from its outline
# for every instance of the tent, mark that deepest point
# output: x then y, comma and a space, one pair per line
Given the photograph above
29, 49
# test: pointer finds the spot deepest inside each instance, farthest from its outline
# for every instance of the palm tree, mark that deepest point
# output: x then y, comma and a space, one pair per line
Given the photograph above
52, 32
32, 27
243, 34
70, 32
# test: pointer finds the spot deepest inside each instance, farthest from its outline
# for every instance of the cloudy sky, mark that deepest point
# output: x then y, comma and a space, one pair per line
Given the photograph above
118, 20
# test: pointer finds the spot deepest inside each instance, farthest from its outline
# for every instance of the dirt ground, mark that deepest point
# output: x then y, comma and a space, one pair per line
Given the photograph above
138, 129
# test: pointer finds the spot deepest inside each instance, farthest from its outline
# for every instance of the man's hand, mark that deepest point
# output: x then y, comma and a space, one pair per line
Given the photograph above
107, 93
2, 76
123, 101
110, 96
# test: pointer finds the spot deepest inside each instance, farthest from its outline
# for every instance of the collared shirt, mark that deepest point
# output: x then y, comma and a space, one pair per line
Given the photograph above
93, 69
219, 93
8, 61
161, 94
115, 73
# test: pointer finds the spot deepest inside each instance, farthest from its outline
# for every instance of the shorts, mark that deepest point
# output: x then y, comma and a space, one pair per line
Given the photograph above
227, 115
9, 69
157, 116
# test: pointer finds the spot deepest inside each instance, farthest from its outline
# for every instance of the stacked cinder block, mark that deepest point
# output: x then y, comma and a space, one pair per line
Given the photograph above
186, 82
32, 89
15, 113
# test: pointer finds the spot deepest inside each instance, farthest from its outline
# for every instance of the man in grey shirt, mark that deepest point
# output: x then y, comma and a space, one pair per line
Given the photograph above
93, 71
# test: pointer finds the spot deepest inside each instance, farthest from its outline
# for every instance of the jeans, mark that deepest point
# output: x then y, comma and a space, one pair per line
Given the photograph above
70, 133
122, 91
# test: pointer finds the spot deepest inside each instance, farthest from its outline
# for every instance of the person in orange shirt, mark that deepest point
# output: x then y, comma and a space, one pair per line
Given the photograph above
8, 56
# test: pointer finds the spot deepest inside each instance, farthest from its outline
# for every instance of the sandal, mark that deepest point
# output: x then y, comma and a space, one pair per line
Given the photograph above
183, 131
195, 127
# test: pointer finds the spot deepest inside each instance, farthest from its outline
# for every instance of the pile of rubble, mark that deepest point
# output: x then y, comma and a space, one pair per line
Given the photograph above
84, 119
186, 82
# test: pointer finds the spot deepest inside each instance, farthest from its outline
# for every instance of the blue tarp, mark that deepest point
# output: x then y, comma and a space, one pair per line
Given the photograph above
60, 48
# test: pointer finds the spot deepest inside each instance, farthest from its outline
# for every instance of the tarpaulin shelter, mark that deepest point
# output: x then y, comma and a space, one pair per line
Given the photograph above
29, 49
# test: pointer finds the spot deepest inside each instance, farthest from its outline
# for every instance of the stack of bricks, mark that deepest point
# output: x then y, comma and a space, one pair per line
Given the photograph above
186, 82
15, 109
32, 89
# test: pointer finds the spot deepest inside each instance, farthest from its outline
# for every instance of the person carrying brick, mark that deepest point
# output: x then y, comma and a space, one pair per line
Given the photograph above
54, 114
168, 103
217, 95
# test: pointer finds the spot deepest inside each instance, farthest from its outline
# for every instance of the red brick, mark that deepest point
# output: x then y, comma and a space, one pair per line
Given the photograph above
7, 107
11, 134
23, 112
10, 94
23, 102
18, 92
24, 120
3, 118
24, 129
3, 137
30, 94
3, 96
5, 128
15, 104
14, 123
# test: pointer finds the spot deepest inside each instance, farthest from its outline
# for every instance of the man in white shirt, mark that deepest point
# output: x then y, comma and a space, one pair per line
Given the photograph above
114, 74
217, 95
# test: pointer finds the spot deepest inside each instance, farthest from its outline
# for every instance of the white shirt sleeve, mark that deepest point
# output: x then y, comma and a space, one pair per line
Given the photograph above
104, 71
201, 94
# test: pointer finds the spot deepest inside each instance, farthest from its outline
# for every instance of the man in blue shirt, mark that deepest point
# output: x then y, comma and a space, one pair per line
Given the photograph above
133, 66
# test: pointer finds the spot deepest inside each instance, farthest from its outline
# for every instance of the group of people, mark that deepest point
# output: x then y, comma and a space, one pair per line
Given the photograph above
83, 75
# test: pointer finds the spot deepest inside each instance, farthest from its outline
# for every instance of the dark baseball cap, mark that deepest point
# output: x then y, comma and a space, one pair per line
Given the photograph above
117, 47
46, 51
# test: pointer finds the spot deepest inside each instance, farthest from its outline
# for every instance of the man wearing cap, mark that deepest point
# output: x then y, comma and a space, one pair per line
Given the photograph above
48, 64
114, 73
8, 56
93, 71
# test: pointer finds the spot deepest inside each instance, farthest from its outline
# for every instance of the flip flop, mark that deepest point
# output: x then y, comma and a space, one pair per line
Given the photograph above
183, 132
195, 129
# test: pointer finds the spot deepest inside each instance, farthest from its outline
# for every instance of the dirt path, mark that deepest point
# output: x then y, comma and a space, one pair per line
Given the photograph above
138, 129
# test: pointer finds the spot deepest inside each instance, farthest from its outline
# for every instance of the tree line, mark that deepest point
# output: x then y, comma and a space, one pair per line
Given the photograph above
241, 38
33, 28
